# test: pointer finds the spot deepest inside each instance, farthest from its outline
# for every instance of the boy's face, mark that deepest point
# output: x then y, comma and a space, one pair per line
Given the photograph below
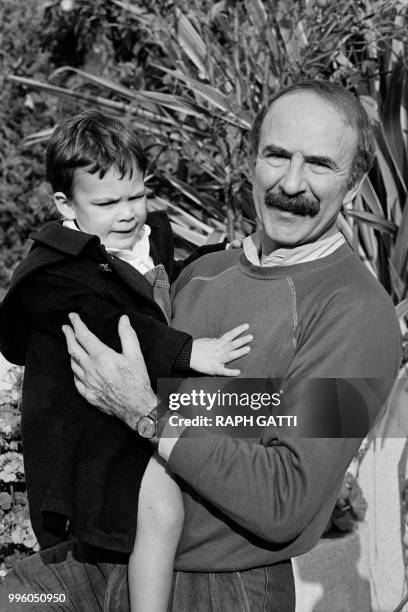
111, 207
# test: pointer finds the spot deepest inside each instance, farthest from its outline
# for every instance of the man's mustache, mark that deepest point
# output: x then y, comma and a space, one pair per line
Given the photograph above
298, 205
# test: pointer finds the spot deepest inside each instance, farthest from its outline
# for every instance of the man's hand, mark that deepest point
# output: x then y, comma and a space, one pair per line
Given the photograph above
117, 383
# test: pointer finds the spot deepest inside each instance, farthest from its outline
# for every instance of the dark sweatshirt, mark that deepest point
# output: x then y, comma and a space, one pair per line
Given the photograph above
268, 499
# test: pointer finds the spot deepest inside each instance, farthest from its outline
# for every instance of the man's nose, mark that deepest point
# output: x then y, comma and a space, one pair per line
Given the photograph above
293, 181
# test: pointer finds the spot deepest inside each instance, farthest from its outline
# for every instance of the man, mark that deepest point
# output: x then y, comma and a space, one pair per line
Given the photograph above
315, 313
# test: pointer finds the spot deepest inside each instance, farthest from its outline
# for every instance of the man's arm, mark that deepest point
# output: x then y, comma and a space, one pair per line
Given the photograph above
291, 479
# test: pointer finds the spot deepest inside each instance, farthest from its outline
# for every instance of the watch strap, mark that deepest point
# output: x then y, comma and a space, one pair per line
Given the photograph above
158, 412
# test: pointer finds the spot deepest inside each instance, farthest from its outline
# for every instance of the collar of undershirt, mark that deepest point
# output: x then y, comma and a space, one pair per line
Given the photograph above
289, 257
285, 262
140, 250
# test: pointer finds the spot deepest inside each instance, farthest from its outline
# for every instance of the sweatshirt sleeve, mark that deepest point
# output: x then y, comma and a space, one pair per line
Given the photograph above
51, 294
294, 476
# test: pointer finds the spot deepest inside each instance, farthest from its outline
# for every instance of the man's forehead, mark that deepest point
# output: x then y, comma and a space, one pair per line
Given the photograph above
304, 118
302, 102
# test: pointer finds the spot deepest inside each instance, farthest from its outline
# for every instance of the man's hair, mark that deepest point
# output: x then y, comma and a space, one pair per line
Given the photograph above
95, 140
351, 110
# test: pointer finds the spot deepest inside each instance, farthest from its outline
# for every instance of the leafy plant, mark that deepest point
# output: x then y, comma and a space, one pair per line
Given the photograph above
24, 198
350, 508
212, 66
17, 539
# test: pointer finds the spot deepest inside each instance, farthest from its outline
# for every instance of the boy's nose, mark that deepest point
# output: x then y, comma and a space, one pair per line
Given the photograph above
293, 180
127, 211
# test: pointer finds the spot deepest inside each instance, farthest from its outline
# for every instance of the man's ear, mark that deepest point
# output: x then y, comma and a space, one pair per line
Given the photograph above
64, 205
353, 191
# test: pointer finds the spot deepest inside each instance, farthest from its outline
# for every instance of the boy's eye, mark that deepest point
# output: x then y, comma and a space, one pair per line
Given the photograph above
133, 198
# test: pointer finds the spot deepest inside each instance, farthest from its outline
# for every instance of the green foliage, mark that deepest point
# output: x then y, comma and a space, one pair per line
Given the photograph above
350, 508
99, 33
211, 66
24, 200
17, 539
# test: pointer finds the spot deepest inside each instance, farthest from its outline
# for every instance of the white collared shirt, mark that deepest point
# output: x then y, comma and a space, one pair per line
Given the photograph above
138, 256
291, 256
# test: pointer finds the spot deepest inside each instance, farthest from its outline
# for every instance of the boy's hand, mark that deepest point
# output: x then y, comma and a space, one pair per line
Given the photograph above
235, 244
209, 355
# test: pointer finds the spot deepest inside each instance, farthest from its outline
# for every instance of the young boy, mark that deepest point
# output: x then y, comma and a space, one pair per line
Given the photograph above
85, 475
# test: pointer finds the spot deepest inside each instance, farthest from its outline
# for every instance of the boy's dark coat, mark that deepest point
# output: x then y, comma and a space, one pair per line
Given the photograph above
81, 463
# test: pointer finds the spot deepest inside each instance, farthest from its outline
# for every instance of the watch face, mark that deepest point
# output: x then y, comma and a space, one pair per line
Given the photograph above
146, 427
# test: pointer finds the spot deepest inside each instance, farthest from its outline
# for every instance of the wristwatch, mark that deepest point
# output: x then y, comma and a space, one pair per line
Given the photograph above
147, 425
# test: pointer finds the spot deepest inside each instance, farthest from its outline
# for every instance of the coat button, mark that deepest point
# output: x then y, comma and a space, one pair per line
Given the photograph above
104, 267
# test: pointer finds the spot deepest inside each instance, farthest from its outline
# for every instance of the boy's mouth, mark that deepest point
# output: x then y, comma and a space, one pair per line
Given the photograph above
128, 231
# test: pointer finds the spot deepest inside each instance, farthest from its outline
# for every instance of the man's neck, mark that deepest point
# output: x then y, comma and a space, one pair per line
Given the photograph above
268, 245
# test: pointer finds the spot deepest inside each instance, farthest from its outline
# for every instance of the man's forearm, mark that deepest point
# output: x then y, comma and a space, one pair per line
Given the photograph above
272, 492
292, 478
128, 413
287, 479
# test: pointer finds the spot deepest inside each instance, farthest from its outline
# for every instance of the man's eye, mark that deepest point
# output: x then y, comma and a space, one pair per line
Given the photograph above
275, 158
319, 167
274, 155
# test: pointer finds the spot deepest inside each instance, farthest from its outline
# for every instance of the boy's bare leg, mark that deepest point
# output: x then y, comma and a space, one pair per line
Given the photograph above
159, 525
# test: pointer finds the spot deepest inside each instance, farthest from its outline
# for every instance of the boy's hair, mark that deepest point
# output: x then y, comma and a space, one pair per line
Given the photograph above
95, 140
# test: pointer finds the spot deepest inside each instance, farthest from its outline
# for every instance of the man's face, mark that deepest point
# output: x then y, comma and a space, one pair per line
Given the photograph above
111, 207
302, 170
